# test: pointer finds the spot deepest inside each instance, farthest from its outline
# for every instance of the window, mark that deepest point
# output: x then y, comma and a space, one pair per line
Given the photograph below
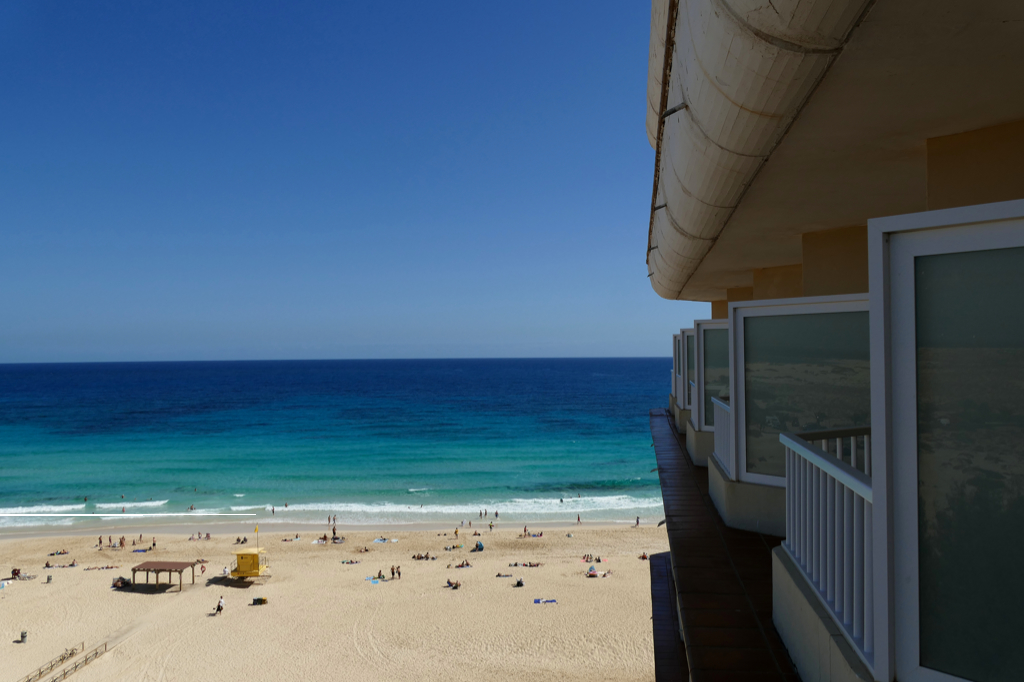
712, 365
955, 321
802, 365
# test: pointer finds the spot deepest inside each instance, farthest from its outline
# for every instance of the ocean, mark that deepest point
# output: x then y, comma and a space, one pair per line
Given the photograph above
373, 442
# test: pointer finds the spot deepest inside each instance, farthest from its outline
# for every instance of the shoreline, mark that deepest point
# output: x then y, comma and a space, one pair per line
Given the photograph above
217, 530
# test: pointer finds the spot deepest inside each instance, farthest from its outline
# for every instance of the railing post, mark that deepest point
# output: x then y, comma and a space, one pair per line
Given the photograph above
830, 524
822, 514
808, 518
848, 557
869, 581
815, 523
803, 511
840, 546
858, 566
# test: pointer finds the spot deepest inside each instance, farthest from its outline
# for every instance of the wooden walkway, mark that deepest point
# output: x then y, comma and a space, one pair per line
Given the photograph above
669, 652
723, 577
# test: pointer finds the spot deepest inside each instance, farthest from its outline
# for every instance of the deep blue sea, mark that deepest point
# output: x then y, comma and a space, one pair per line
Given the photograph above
373, 442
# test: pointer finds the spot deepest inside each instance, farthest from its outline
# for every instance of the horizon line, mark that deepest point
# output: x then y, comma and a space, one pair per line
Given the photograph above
463, 359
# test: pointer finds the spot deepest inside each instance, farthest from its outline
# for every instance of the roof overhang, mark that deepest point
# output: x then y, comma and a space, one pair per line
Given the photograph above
812, 119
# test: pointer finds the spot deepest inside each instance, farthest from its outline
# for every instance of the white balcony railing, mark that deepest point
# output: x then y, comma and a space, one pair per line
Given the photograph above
828, 526
723, 435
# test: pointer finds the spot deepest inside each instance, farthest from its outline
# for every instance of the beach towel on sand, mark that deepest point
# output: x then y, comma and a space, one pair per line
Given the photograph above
544, 601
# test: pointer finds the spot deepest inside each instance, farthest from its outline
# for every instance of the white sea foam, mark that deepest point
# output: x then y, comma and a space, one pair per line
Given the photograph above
132, 505
239, 494
418, 490
42, 509
16, 521
524, 508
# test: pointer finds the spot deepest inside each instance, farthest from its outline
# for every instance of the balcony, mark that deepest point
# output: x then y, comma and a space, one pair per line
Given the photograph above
829, 526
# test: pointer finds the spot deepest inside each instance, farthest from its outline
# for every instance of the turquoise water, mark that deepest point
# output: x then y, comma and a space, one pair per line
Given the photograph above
373, 442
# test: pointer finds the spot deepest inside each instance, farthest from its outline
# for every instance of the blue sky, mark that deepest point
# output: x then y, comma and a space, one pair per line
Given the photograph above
326, 180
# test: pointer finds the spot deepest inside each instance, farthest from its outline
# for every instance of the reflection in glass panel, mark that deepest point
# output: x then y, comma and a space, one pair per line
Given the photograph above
970, 450
716, 370
802, 373
690, 373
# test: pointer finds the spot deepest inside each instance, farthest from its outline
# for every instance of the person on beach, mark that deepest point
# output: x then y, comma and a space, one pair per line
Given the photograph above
220, 606
578, 521
492, 525
392, 572
399, 572
272, 510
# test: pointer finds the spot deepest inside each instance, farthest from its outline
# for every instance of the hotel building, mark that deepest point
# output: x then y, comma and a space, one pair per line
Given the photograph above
844, 181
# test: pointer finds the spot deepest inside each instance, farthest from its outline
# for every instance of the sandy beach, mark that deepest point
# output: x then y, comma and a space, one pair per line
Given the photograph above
324, 620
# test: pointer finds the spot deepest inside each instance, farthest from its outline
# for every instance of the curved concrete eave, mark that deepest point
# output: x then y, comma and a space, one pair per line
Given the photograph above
740, 75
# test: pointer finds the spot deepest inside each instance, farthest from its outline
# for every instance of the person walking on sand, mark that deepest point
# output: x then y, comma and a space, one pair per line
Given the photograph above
220, 606
578, 521
399, 572
638, 522
492, 525
392, 572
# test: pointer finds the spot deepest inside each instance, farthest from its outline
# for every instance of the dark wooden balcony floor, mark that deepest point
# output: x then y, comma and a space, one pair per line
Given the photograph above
669, 653
723, 576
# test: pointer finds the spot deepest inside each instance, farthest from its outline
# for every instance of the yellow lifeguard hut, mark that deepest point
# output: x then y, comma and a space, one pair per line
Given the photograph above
250, 563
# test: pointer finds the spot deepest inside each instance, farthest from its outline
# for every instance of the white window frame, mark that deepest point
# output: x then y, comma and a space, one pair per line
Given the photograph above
699, 327
675, 366
739, 311
687, 401
893, 243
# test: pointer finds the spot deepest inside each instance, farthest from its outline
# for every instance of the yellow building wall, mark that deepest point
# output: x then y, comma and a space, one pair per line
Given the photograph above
719, 310
785, 281
976, 167
739, 294
835, 261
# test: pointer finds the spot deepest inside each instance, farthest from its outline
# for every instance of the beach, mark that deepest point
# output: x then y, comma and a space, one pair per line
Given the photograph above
324, 620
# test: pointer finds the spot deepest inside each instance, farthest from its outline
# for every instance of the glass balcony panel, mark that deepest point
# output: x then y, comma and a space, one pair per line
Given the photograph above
716, 370
970, 440
802, 373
